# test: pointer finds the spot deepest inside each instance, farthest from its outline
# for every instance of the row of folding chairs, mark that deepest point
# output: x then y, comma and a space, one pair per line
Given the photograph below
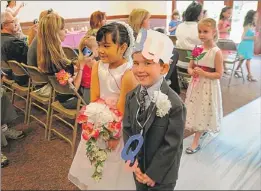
230, 58
51, 108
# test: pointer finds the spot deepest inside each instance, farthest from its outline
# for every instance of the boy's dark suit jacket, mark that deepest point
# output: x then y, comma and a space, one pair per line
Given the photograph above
163, 137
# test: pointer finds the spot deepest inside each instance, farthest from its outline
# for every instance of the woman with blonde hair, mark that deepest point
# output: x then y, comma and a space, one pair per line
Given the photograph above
97, 20
51, 57
32, 41
34, 28
139, 18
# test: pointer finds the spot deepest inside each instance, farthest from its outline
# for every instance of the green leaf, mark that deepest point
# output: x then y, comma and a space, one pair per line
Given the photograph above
189, 53
200, 56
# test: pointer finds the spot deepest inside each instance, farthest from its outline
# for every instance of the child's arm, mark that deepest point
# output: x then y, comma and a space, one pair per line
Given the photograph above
95, 87
170, 147
128, 83
172, 28
218, 68
191, 68
221, 28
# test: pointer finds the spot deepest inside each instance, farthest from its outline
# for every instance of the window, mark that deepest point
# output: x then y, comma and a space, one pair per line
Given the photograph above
213, 9
240, 9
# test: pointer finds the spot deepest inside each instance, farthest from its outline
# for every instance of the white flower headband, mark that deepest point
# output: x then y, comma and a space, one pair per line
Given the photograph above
129, 50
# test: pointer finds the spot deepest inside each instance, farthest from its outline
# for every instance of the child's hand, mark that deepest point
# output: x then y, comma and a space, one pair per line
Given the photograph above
199, 71
194, 74
148, 180
113, 143
139, 176
133, 167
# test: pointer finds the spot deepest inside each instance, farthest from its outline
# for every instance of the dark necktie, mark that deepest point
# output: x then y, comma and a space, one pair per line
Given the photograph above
143, 93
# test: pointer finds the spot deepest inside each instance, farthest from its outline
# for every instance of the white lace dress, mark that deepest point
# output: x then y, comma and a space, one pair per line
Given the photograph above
115, 177
204, 100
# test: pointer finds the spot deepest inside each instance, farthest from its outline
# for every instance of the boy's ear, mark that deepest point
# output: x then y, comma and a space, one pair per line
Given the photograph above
164, 69
123, 48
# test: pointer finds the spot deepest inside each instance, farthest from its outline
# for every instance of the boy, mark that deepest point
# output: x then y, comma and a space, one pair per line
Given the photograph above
159, 116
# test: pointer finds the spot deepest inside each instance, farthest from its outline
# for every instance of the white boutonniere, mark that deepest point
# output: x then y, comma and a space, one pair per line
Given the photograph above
162, 102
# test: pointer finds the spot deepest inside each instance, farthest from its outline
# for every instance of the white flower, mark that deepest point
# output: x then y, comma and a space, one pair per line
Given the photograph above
162, 102
101, 155
98, 114
99, 168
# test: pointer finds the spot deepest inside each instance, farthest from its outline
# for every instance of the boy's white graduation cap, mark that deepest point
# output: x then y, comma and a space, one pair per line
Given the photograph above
154, 45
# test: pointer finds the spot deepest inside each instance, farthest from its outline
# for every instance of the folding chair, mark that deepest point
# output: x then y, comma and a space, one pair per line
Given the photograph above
22, 92
230, 56
70, 53
183, 76
7, 82
67, 113
38, 79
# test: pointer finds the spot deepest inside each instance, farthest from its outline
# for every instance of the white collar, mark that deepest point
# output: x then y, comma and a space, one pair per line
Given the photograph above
153, 88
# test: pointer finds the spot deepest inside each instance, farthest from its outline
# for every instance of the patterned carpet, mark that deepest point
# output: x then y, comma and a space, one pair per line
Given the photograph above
38, 164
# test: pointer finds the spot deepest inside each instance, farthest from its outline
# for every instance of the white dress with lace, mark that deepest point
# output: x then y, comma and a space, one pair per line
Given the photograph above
204, 100
115, 177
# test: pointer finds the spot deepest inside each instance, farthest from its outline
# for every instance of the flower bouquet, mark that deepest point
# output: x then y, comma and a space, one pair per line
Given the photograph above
196, 55
64, 78
100, 123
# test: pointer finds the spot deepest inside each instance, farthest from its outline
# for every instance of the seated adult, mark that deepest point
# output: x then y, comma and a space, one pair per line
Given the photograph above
12, 48
187, 32
14, 9
32, 41
51, 57
33, 30
97, 20
8, 114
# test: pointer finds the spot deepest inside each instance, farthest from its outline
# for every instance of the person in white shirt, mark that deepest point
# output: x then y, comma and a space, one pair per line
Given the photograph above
187, 32
14, 10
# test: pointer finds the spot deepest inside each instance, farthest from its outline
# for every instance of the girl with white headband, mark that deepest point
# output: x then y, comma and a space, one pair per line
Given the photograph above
111, 80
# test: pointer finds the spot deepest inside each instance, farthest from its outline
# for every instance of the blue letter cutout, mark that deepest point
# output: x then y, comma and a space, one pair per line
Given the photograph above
131, 155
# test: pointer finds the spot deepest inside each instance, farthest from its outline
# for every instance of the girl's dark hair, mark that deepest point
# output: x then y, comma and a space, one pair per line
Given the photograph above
118, 33
8, 3
193, 11
249, 18
204, 11
223, 11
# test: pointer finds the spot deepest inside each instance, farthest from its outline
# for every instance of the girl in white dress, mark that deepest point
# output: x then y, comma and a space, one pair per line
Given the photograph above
112, 79
203, 100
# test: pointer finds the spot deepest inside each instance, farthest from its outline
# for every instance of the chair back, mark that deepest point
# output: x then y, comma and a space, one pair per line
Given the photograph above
183, 54
70, 53
5, 65
37, 77
173, 38
227, 44
58, 87
17, 68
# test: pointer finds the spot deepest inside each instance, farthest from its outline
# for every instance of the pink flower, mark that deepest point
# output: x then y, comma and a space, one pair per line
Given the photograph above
81, 118
196, 52
96, 134
85, 135
87, 127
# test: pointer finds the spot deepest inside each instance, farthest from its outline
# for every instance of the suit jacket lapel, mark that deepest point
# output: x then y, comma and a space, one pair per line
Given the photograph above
153, 109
